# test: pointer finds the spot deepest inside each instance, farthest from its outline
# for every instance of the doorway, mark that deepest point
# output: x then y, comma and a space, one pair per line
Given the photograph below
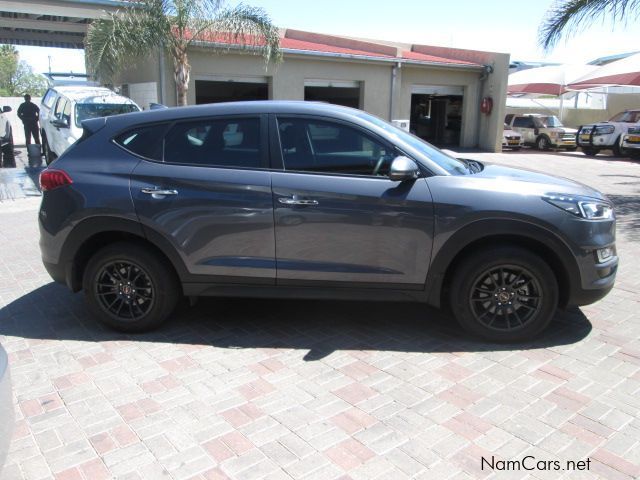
436, 114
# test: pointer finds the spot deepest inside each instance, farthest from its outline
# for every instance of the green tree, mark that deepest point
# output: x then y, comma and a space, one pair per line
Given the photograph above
572, 16
16, 76
138, 31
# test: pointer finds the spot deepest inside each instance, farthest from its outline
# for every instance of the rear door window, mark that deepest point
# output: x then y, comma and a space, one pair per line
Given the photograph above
523, 122
222, 142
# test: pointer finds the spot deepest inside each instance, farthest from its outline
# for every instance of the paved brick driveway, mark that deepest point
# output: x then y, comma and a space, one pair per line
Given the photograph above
320, 390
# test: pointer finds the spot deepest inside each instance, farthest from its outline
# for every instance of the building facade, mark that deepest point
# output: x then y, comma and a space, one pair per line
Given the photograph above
438, 90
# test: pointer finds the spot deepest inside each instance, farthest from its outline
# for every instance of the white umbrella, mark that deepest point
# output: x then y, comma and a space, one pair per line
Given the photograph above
550, 80
625, 72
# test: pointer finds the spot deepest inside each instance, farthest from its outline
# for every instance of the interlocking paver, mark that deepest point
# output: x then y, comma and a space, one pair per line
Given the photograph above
306, 389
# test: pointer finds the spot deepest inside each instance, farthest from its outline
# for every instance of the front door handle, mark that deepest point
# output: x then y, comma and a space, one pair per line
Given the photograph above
295, 200
158, 191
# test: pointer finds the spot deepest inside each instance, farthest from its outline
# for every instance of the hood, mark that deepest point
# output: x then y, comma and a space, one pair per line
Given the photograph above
564, 130
521, 181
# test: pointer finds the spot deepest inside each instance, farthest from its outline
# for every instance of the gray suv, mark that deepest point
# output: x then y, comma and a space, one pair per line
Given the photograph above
310, 200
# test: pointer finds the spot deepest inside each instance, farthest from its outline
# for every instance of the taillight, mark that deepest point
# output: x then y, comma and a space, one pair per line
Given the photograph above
50, 179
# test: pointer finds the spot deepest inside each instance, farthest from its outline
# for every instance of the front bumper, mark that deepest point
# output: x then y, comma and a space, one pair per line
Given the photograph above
598, 141
7, 415
597, 279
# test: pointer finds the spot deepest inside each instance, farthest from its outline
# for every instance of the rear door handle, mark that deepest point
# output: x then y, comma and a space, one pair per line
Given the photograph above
295, 200
158, 191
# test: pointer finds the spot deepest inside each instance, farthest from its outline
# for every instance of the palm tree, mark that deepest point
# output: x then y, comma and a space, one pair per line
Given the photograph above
571, 16
137, 31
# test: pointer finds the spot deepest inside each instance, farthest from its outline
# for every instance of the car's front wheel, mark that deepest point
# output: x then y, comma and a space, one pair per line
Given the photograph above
504, 294
543, 143
129, 288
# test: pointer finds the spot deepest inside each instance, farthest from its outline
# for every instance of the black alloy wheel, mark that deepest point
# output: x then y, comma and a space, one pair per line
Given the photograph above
505, 297
124, 290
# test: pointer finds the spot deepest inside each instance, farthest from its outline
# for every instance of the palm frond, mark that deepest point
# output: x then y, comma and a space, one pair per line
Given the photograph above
124, 37
243, 26
572, 16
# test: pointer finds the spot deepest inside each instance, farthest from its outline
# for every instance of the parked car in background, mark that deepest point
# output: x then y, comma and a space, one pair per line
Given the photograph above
7, 415
511, 139
631, 142
65, 107
312, 200
599, 136
542, 131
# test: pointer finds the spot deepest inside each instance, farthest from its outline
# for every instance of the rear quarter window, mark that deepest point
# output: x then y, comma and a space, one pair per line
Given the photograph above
144, 141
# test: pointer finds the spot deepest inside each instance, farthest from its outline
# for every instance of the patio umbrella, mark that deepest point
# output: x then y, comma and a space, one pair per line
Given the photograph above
549, 80
625, 72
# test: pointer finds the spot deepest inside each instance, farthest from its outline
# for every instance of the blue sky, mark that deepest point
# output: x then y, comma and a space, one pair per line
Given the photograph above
496, 25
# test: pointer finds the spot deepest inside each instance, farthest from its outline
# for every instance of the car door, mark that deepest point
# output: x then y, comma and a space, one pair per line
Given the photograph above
206, 190
54, 135
339, 219
526, 127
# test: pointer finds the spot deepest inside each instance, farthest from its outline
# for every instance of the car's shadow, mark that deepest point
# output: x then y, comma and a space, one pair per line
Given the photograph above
321, 327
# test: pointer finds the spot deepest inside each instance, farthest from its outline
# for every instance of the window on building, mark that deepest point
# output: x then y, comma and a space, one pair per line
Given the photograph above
327, 147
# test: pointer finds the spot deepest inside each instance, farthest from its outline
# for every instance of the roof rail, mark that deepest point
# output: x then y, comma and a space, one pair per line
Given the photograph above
69, 78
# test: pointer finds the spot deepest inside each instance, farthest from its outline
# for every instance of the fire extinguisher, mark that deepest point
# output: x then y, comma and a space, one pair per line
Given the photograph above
486, 105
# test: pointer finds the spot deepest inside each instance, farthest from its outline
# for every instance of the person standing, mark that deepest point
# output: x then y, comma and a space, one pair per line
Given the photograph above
29, 113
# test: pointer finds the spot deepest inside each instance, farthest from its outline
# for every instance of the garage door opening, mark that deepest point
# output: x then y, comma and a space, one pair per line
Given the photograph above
208, 91
436, 115
342, 93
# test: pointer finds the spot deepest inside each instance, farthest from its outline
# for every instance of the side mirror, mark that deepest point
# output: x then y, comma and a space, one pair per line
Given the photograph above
59, 123
6, 109
403, 168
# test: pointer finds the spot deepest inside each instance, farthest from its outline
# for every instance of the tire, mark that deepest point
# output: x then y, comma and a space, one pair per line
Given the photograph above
590, 152
617, 149
542, 143
46, 151
145, 291
482, 288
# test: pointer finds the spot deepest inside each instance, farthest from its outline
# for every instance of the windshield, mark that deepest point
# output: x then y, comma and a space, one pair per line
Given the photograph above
547, 122
85, 111
626, 117
444, 161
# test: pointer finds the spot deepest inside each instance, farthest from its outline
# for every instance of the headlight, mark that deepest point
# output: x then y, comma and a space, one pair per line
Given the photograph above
605, 130
584, 207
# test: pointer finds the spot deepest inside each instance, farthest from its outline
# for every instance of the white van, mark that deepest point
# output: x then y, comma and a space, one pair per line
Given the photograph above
64, 107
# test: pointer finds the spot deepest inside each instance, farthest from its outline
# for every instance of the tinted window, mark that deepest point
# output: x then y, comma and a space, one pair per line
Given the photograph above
233, 142
525, 122
144, 141
319, 146
629, 116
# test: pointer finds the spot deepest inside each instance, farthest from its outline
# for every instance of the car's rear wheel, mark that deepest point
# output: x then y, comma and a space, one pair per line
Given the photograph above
504, 294
46, 150
590, 152
542, 143
129, 288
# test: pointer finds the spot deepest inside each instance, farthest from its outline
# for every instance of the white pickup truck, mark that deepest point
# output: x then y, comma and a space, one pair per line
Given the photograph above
607, 135
542, 131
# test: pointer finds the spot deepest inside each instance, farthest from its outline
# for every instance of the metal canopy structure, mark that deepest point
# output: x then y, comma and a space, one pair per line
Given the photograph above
57, 23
